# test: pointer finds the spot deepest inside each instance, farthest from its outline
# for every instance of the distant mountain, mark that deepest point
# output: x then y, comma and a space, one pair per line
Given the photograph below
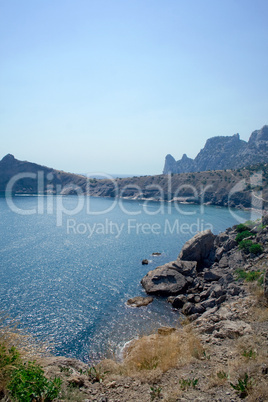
222, 153
31, 178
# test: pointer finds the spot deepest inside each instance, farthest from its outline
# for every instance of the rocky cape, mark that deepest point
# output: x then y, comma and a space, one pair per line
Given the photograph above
220, 153
231, 188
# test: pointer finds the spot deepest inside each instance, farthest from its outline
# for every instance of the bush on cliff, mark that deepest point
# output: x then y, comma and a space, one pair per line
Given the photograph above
243, 235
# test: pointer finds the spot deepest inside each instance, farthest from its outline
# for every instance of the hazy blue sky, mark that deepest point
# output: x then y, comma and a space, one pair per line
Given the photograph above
115, 85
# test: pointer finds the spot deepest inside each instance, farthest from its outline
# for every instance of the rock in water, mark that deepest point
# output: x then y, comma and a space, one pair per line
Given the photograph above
165, 280
139, 301
199, 248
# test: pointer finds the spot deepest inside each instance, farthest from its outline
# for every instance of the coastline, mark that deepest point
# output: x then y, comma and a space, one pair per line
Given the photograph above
224, 334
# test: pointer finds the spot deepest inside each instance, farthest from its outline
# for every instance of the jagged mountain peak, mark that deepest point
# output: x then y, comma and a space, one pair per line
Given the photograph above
223, 152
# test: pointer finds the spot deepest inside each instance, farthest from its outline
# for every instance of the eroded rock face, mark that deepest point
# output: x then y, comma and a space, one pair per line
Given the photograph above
164, 280
199, 248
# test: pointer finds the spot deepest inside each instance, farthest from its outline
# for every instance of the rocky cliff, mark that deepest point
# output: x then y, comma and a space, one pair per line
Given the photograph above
223, 153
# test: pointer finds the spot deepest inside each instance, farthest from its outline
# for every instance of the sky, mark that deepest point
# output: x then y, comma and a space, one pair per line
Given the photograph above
115, 85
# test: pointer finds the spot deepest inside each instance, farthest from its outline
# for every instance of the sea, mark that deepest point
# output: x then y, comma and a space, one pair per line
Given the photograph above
69, 264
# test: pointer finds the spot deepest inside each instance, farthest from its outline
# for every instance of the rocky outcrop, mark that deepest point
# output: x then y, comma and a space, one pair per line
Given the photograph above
199, 248
165, 280
223, 153
203, 276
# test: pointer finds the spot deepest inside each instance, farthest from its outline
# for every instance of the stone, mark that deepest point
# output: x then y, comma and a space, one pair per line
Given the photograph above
190, 298
205, 294
223, 263
186, 268
165, 280
231, 329
197, 299
233, 289
190, 308
221, 299
111, 384
211, 276
139, 301
236, 260
166, 330
198, 248
210, 303
218, 253
145, 262
229, 245
179, 301
216, 291
221, 238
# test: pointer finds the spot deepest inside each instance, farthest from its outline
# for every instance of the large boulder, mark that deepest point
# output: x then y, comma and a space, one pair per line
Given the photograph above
165, 280
199, 248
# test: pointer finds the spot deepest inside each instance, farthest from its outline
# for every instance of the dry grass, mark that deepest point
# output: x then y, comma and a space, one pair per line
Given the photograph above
152, 355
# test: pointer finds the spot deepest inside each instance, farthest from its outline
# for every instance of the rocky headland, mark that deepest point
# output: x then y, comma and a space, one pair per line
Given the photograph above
219, 153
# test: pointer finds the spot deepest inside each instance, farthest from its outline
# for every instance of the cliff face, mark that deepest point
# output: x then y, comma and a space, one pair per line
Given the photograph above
223, 153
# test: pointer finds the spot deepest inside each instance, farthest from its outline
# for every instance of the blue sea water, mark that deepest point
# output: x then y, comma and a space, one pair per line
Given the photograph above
66, 272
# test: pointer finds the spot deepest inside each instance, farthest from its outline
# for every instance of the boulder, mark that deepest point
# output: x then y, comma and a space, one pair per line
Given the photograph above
231, 329
223, 262
190, 308
198, 248
165, 280
234, 290
229, 245
236, 260
186, 268
210, 303
216, 291
211, 276
145, 262
179, 301
139, 301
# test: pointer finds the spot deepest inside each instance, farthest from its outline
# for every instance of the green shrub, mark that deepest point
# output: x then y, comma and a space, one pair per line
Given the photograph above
245, 245
255, 249
29, 383
250, 276
241, 274
242, 228
242, 235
